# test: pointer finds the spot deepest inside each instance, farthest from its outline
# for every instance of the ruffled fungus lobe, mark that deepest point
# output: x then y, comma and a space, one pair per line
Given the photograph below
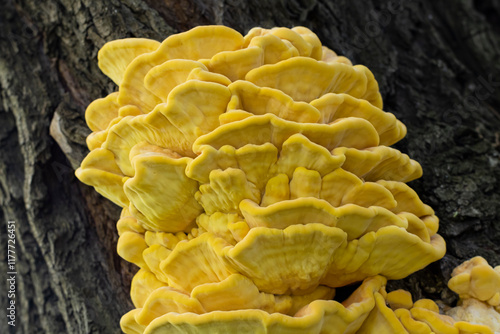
396, 313
422, 317
478, 286
477, 279
255, 177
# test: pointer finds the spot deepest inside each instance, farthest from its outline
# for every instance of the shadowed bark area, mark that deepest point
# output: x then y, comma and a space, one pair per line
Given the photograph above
436, 63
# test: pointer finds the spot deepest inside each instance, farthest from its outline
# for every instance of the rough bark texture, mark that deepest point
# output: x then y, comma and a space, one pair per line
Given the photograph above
438, 70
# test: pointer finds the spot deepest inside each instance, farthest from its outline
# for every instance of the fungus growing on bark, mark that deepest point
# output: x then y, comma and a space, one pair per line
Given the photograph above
255, 178
403, 316
477, 279
478, 286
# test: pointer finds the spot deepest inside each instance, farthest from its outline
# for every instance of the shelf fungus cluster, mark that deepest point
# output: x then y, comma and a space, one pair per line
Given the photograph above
256, 176
478, 286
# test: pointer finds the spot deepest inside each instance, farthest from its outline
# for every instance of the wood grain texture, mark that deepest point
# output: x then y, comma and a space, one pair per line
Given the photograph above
436, 63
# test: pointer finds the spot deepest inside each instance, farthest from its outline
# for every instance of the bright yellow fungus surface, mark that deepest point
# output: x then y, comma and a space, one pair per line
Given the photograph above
396, 313
477, 279
478, 286
256, 177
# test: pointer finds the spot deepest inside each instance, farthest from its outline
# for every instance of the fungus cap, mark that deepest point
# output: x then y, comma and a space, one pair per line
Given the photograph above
255, 177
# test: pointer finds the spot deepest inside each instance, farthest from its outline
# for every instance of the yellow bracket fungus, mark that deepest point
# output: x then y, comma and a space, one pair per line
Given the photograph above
255, 177
174, 207
477, 279
319, 316
478, 286
115, 56
317, 79
403, 316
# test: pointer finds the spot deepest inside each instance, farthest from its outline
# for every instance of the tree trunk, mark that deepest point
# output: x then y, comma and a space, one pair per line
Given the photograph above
436, 63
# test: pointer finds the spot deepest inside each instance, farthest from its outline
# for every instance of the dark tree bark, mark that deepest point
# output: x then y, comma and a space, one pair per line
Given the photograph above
437, 64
